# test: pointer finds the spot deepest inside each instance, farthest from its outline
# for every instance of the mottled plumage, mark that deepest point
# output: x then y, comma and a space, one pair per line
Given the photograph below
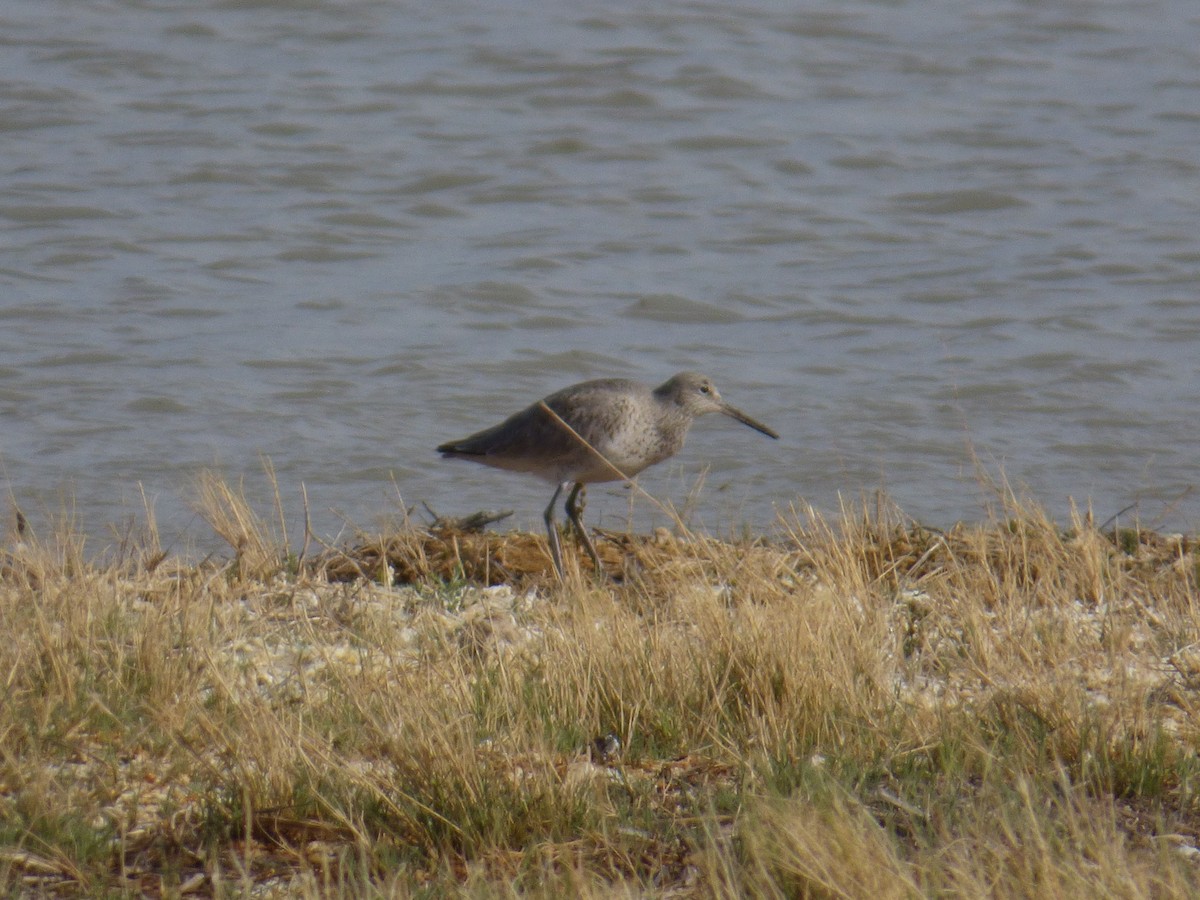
616, 429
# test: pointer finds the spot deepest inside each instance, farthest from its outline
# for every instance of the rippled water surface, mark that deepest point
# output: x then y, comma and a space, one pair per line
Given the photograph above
910, 236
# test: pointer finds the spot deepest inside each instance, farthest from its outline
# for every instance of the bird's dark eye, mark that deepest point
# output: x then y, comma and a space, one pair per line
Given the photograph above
705, 389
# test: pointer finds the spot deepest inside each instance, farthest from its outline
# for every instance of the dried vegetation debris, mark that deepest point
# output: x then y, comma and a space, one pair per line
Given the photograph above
446, 553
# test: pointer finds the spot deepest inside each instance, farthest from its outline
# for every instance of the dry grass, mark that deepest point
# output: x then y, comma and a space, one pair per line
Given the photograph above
860, 707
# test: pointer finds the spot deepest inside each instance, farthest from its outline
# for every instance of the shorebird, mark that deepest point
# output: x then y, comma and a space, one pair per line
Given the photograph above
596, 431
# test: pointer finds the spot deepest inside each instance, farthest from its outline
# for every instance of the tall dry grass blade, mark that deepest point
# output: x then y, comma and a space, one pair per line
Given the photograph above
227, 511
276, 498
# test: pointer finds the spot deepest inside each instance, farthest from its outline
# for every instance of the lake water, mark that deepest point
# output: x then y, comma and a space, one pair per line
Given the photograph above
910, 236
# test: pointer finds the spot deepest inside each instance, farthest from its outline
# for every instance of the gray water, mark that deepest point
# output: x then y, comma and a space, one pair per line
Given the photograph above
913, 237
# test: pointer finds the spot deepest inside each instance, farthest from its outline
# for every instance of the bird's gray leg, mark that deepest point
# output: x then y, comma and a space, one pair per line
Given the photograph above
552, 532
576, 501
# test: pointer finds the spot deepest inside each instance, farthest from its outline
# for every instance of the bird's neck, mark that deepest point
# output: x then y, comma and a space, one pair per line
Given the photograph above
673, 428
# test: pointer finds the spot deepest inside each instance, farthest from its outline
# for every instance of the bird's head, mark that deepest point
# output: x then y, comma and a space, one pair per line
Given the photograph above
696, 395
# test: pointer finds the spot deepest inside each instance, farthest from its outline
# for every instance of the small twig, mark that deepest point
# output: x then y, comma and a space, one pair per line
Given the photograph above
902, 804
621, 475
1117, 515
307, 528
473, 523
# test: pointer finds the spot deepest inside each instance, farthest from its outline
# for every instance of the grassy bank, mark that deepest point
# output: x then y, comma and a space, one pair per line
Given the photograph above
856, 707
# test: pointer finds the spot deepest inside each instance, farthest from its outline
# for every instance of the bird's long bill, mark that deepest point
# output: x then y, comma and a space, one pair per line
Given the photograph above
734, 413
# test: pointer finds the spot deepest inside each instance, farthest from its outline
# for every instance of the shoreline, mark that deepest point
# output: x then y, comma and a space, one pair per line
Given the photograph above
862, 706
